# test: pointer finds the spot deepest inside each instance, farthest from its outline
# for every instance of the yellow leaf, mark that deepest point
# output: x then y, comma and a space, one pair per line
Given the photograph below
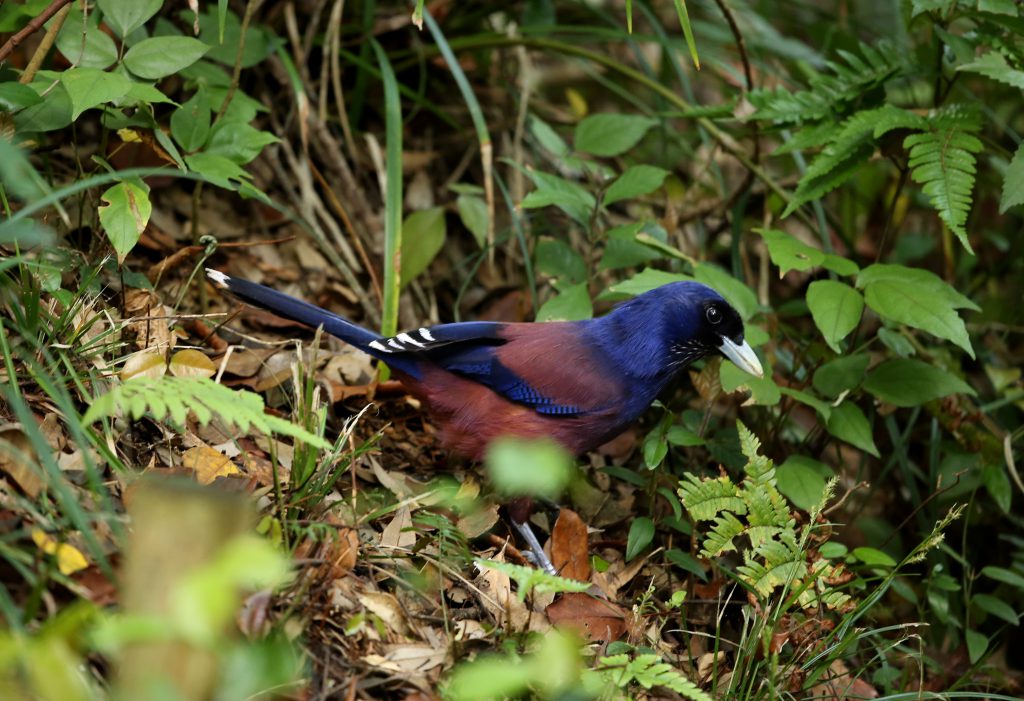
129, 136
144, 364
192, 363
577, 103
69, 558
208, 464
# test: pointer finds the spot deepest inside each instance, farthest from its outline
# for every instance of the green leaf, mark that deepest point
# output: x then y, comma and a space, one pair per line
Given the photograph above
237, 141
520, 467
917, 299
190, 123
571, 304
90, 87
125, 16
823, 409
125, 215
636, 181
1001, 574
763, 390
686, 562
993, 65
622, 250
836, 309
848, 423
52, 112
641, 533
557, 258
873, 557
788, 253
644, 281
680, 435
15, 96
741, 297
840, 265
224, 34
977, 643
423, 236
802, 480
610, 134
1013, 182
473, 213
217, 169
905, 382
896, 342
997, 484
548, 138
997, 607
568, 196
161, 56
99, 50
656, 444
840, 375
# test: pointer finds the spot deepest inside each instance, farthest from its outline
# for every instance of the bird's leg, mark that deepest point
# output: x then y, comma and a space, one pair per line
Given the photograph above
519, 512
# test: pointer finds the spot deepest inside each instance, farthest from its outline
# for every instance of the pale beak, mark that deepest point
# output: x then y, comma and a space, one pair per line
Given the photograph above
743, 356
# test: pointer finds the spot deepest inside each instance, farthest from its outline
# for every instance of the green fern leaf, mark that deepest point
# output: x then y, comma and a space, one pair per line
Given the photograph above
649, 671
784, 564
942, 160
993, 65
724, 531
704, 499
174, 397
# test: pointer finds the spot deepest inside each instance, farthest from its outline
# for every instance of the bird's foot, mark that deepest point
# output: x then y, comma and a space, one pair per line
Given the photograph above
536, 552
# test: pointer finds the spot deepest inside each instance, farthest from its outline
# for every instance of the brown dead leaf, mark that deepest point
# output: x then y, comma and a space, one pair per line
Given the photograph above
479, 522
18, 460
841, 686
591, 617
398, 533
191, 363
619, 573
570, 546
494, 592
208, 464
147, 363
406, 658
92, 585
707, 382
253, 617
246, 362
340, 552
387, 609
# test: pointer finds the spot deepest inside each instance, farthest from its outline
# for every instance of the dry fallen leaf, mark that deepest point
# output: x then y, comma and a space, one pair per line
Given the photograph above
387, 609
591, 617
191, 363
69, 558
398, 533
208, 464
570, 546
147, 363
18, 460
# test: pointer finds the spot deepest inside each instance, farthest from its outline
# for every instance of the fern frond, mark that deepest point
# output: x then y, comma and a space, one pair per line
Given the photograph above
725, 529
942, 160
853, 76
783, 564
993, 65
650, 671
704, 499
175, 397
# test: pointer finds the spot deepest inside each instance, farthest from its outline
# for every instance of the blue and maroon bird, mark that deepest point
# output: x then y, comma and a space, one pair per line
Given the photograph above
578, 382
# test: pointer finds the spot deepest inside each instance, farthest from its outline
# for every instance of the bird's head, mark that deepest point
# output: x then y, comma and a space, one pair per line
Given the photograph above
682, 322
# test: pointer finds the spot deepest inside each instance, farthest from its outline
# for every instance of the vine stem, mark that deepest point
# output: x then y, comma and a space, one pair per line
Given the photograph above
32, 27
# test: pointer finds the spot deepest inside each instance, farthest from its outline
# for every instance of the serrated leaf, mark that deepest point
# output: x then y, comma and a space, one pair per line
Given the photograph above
993, 65
636, 181
159, 57
848, 423
836, 309
905, 382
1013, 182
610, 134
91, 87
125, 215
423, 236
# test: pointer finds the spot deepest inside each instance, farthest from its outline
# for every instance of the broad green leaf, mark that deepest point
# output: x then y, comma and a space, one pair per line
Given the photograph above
997, 607
125, 215
161, 56
225, 36
641, 533
993, 65
686, 562
473, 213
840, 375
644, 281
788, 253
997, 484
568, 196
896, 342
680, 435
144, 93
556, 258
741, 297
1001, 574
922, 301
237, 141
1013, 182
423, 235
610, 134
822, 408
636, 181
520, 467
873, 557
15, 96
571, 304
219, 170
622, 250
840, 265
656, 444
977, 643
91, 87
763, 390
802, 480
547, 137
190, 123
52, 112
848, 423
125, 16
906, 382
99, 50
836, 309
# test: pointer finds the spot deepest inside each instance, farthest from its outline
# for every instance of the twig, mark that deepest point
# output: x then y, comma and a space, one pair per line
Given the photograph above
32, 27
236, 75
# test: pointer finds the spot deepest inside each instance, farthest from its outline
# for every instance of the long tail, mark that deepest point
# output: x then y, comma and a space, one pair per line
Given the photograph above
295, 309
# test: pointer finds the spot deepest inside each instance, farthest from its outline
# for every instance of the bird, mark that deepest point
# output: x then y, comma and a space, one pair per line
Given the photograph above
580, 383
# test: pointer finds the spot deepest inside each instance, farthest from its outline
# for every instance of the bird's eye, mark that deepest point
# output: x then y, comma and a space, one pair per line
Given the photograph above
713, 315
